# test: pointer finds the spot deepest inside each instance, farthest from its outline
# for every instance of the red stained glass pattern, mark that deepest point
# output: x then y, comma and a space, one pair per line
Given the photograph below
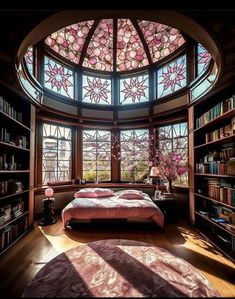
134, 89
130, 50
172, 77
99, 54
58, 78
29, 59
69, 41
162, 40
96, 90
203, 59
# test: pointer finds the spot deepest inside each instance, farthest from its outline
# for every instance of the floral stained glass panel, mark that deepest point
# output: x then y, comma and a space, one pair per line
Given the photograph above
134, 154
58, 78
96, 90
69, 41
171, 77
130, 50
56, 152
29, 59
99, 54
203, 59
162, 40
134, 89
96, 155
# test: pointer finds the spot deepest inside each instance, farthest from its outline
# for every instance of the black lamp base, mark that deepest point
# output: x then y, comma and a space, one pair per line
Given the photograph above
46, 222
48, 212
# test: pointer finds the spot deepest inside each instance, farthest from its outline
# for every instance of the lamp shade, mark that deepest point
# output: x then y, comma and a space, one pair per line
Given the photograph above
49, 192
154, 172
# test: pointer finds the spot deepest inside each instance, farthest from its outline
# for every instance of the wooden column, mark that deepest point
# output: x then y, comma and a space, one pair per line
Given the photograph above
191, 163
32, 165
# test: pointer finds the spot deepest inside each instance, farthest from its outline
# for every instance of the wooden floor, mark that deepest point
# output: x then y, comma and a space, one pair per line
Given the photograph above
20, 263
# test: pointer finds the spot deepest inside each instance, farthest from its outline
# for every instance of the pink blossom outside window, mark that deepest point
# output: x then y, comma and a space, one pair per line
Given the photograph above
58, 78
96, 90
171, 77
29, 59
134, 89
203, 59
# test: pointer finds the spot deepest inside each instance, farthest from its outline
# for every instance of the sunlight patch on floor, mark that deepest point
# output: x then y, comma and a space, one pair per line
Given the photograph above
60, 243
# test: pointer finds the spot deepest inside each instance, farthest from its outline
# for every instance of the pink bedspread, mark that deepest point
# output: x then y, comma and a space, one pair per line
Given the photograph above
112, 207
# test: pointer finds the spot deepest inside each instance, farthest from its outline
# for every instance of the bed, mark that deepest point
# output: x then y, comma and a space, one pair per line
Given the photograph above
113, 206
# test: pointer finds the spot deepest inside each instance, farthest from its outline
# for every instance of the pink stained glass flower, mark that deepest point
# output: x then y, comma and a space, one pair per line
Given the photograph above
204, 58
58, 78
97, 90
134, 90
29, 59
173, 76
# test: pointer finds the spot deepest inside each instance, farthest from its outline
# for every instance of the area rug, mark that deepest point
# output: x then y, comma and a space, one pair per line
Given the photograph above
119, 268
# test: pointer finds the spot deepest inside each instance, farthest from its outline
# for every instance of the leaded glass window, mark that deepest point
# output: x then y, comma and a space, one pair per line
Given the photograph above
56, 152
58, 78
134, 89
203, 59
130, 50
171, 77
174, 138
99, 55
69, 41
134, 145
162, 40
96, 155
96, 90
29, 59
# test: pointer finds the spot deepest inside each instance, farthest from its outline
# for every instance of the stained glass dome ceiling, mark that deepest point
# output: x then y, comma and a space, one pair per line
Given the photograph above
115, 44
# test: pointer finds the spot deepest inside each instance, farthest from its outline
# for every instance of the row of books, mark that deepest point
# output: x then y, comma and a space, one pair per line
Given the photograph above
9, 162
213, 167
18, 140
11, 211
10, 186
222, 132
222, 194
215, 111
11, 232
10, 110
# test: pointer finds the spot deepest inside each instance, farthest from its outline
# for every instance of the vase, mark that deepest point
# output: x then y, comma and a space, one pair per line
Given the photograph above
170, 186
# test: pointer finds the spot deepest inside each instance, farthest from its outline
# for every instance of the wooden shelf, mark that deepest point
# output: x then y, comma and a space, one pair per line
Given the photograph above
15, 228
8, 145
13, 220
217, 120
218, 244
16, 122
13, 195
216, 142
215, 175
214, 200
13, 243
216, 224
14, 171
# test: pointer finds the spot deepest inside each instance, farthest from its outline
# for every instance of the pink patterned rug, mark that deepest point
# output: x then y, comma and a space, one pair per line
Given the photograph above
119, 268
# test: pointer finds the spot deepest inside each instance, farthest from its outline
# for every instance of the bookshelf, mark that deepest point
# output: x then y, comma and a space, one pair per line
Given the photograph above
15, 164
212, 157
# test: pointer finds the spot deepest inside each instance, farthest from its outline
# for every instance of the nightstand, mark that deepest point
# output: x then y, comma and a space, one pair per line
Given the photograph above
168, 207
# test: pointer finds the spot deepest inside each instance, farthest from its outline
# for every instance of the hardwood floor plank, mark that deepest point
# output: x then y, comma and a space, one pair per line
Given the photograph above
20, 263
